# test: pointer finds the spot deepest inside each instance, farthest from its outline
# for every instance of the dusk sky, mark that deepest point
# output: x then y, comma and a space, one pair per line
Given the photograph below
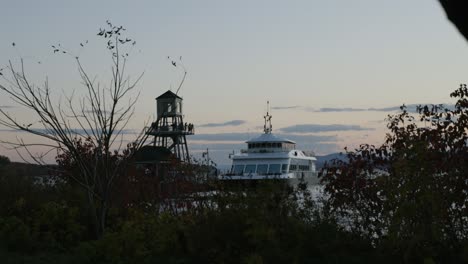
332, 70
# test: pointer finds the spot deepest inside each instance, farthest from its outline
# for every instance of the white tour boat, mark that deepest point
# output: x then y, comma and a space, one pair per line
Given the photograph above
272, 157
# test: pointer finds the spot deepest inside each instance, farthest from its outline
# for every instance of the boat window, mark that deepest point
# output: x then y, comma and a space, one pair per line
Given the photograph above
263, 145
262, 168
292, 167
284, 168
238, 169
250, 168
274, 168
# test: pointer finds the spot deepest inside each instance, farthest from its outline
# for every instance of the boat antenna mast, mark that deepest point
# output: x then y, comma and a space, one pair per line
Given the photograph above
267, 128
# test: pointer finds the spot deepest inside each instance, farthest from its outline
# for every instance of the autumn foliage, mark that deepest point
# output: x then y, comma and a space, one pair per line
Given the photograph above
409, 195
402, 202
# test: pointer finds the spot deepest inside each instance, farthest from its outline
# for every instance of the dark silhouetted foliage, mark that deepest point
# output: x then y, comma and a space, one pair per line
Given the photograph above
4, 161
410, 194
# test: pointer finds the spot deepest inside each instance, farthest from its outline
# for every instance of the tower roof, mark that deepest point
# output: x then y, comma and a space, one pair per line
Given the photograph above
168, 94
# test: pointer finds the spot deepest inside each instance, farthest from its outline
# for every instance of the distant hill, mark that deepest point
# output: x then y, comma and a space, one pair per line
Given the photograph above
322, 159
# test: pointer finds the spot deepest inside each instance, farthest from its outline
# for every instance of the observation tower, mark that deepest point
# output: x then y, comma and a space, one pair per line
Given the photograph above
169, 131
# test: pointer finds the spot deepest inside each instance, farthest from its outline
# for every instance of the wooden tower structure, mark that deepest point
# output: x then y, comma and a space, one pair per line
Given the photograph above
169, 130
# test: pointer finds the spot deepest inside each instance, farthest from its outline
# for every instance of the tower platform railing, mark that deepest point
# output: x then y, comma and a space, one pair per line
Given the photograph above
181, 129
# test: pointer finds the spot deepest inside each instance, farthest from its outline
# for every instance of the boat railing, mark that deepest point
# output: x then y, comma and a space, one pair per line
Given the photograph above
295, 174
270, 174
263, 150
253, 174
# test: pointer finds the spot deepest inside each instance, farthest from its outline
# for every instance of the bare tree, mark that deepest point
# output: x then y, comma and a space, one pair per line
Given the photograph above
94, 122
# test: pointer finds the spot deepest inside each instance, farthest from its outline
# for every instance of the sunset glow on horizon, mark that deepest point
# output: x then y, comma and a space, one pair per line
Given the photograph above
332, 71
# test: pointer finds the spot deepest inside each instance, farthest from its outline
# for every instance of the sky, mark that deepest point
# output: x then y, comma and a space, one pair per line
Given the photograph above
331, 70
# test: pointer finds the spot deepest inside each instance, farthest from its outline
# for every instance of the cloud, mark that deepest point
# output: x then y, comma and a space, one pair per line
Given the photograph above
413, 108
410, 108
300, 139
319, 110
349, 109
344, 109
222, 137
228, 123
195, 146
285, 107
220, 152
380, 121
314, 128
246, 136
391, 108
72, 131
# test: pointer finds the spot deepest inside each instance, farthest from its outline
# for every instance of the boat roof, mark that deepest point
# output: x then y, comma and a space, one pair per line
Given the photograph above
269, 137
